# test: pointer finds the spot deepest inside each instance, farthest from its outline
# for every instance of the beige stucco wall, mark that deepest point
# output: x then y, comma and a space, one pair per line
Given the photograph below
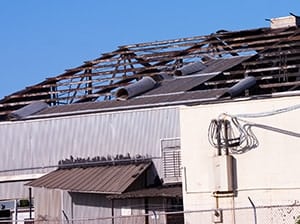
268, 174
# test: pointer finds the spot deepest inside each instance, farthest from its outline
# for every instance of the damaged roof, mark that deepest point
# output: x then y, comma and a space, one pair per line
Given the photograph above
184, 70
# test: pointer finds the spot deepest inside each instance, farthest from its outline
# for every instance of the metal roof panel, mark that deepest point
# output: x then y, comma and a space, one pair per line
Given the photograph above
101, 179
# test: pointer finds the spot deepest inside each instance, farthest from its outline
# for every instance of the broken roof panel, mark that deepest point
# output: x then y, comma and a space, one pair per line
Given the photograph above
109, 179
184, 83
179, 84
223, 64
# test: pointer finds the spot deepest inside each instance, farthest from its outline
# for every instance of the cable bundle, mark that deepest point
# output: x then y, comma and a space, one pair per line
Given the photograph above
235, 137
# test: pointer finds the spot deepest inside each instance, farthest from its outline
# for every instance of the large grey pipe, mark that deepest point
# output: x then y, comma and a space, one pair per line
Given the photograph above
141, 86
241, 86
190, 68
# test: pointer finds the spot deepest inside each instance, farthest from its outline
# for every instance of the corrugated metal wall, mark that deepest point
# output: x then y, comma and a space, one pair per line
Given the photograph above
13, 190
48, 211
135, 209
38, 143
94, 207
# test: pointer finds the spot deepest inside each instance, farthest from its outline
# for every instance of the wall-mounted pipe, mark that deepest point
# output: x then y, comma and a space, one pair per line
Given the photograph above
241, 86
190, 68
141, 86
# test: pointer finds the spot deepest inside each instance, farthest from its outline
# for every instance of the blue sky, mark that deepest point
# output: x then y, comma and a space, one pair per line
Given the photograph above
41, 39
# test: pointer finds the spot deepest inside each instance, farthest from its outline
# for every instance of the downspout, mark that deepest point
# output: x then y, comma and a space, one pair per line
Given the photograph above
112, 211
146, 200
30, 203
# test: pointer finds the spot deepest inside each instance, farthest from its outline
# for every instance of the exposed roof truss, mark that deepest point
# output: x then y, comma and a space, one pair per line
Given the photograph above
275, 64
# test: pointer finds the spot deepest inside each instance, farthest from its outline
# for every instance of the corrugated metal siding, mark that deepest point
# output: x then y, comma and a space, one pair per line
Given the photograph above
136, 208
94, 207
13, 190
49, 204
38, 143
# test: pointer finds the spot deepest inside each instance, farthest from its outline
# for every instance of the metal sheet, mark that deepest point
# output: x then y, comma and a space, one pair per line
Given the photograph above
99, 179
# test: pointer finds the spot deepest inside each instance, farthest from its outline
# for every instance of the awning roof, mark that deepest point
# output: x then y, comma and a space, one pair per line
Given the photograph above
154, 192
109, 179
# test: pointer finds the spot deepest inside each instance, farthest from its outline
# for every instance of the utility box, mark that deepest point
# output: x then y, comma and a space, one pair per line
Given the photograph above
223, 174
287, 21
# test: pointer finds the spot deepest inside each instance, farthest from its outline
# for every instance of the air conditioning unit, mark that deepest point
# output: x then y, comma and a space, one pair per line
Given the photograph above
223, 174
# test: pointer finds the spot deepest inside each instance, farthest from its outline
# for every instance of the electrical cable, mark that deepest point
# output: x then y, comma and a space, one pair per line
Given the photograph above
267, 113
240, 137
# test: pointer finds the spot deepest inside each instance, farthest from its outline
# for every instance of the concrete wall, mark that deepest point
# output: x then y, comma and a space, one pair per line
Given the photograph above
268, 174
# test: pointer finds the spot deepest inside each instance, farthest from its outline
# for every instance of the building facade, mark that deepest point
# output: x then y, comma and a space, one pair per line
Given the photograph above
256, 165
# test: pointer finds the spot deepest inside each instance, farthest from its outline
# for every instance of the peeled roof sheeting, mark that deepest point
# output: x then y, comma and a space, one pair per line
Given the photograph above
185, 83
101, 179
180, 84
222, 64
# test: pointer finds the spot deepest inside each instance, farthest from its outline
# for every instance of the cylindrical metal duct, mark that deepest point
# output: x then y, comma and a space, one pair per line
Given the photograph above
242, 85
141, 86
190, 68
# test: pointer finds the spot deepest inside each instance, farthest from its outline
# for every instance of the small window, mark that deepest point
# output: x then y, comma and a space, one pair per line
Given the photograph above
171, 158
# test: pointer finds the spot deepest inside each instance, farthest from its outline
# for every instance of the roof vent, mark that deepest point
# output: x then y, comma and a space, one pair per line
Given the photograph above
28, 110
141, 86
283, 22
190, 68
242, 85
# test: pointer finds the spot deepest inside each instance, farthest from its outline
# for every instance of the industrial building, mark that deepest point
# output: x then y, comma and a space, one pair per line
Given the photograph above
125, 136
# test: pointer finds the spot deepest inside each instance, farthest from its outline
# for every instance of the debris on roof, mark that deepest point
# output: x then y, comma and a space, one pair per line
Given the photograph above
108, 160
214, 62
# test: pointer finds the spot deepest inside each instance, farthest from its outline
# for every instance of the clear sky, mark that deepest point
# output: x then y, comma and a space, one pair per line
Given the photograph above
41, 39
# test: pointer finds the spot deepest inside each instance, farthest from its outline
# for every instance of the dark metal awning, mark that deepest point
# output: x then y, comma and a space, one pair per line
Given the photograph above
109, 179
153, 192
